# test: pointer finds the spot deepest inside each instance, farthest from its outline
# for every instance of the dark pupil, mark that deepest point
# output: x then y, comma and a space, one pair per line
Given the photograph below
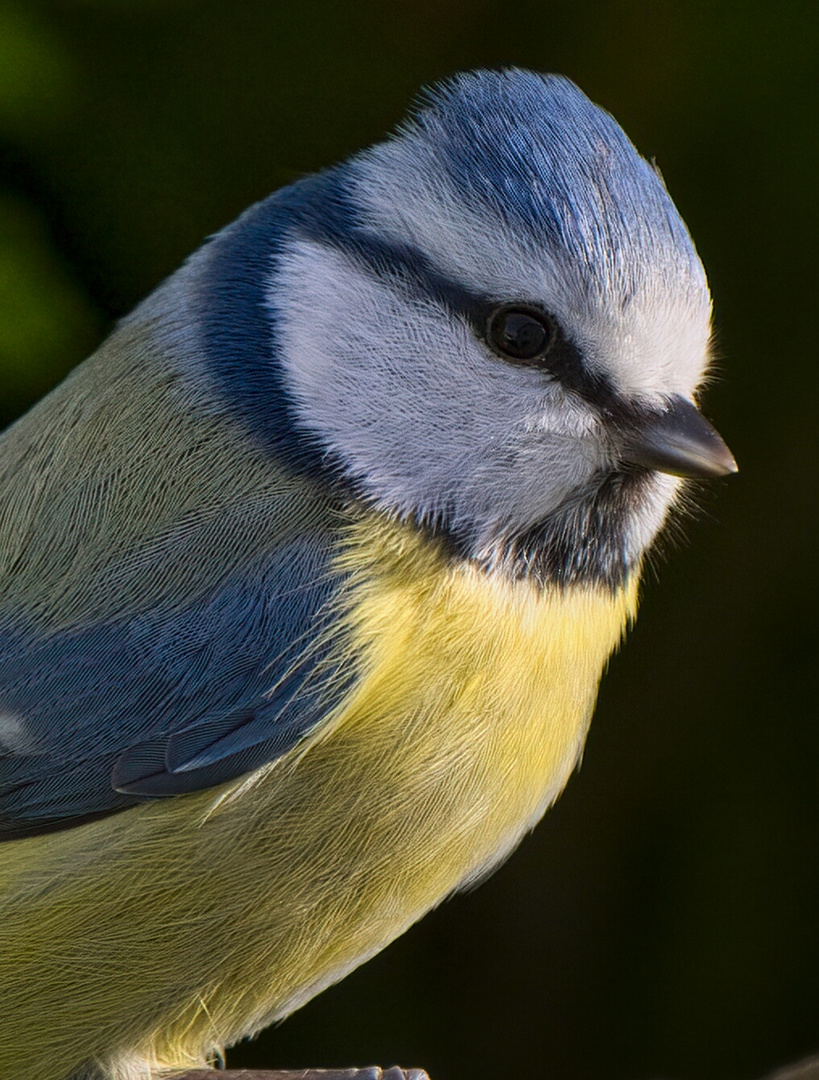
520, 335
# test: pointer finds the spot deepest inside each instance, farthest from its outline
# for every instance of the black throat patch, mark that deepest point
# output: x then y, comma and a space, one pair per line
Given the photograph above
584, 542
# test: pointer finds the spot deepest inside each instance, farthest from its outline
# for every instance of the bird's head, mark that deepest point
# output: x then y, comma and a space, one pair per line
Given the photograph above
496, 323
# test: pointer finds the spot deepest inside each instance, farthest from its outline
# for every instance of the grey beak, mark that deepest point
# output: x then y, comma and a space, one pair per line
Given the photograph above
677, 440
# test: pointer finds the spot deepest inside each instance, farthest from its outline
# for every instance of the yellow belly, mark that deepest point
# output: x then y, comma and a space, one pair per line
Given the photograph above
179, 926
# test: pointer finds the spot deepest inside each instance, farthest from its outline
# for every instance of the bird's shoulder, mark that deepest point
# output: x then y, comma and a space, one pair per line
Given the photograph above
166, 591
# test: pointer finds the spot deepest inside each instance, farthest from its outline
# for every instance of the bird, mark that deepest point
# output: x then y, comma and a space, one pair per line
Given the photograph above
309, 574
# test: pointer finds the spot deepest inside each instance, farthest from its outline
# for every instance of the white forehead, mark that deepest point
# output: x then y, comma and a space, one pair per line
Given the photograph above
650, 340
519, 187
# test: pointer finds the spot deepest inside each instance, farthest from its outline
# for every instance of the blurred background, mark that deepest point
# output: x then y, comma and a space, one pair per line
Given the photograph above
663, 921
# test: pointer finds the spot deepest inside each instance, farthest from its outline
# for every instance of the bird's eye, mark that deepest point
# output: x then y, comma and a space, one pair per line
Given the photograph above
519, 334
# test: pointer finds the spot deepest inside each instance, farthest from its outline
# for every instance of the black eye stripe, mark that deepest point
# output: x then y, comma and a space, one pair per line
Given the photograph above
407, 268
556, 355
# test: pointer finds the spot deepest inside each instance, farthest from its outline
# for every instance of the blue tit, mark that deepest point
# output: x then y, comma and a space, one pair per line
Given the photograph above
310, 572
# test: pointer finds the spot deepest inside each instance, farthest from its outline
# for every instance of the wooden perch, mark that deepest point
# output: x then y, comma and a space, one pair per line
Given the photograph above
803, 1070
371, 1072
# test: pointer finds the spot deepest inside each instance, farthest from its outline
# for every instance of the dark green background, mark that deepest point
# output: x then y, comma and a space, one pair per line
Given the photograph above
662, 922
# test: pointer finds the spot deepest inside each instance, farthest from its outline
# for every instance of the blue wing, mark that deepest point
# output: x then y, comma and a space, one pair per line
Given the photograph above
170, 701
195, 688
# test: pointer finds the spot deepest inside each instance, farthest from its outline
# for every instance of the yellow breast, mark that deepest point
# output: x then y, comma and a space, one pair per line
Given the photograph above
470, 713
478, 689
186, 924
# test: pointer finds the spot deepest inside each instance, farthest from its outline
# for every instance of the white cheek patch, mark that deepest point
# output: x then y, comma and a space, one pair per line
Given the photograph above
425, 418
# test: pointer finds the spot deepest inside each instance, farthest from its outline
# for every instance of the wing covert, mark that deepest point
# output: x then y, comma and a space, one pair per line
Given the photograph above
170, 701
